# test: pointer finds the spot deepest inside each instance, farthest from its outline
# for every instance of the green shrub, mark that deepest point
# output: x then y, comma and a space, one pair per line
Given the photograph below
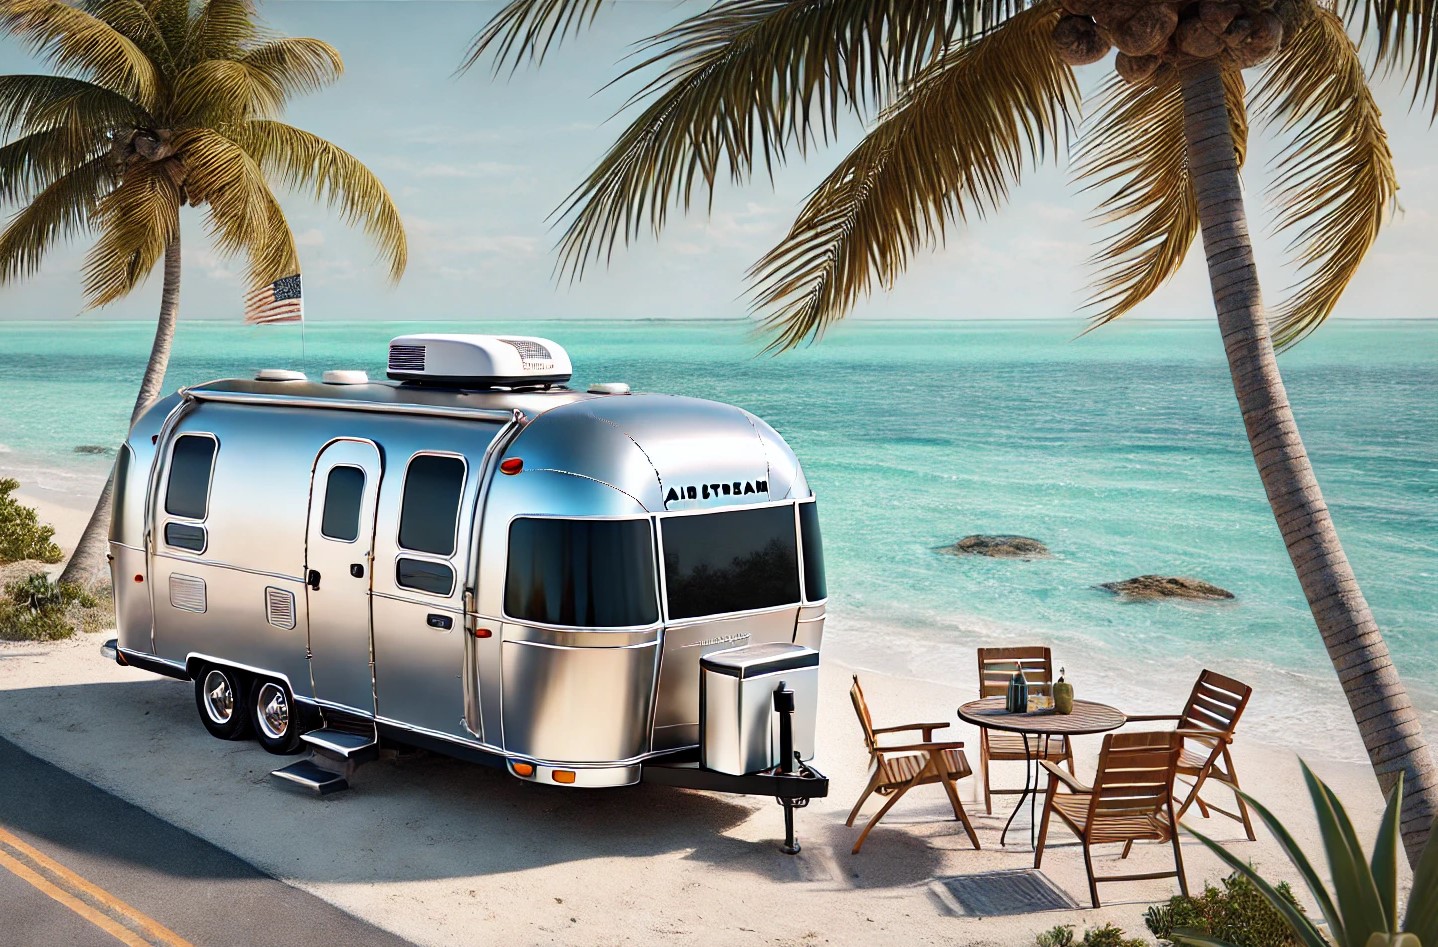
1109, 935
21, 535
1239, 914
37, 609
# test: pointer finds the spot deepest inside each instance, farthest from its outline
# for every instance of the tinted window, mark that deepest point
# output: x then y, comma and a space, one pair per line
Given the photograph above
815, 587
582, 573
730, 562
189, 488
343, 492
185, 536
117, 501
433, 577
430, 507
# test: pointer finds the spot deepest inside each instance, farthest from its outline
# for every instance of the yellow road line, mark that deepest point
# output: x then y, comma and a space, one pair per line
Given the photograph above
157, 933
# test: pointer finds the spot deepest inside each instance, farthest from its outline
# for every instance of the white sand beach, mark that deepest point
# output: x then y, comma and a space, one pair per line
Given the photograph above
444, 852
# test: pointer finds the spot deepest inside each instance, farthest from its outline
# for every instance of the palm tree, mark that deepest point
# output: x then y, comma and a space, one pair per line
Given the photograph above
159, 104
963, 96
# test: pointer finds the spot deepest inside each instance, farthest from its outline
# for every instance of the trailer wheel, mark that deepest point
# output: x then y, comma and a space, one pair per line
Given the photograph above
275, 717
220, 695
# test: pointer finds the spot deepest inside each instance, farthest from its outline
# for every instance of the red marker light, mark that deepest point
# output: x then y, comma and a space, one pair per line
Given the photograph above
511, 466
139, 578
483, 633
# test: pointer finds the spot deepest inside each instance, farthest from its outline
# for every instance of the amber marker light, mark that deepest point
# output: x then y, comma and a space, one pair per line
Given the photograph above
512, 465
564, 776
522, 769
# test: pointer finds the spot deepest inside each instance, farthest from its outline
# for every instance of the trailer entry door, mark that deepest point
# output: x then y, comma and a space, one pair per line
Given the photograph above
339, 559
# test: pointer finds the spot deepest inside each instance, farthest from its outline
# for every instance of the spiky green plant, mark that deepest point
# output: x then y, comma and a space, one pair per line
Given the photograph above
962, 97
1361, 910
157, 105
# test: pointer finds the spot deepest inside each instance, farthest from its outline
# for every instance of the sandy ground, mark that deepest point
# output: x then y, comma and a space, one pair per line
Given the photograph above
443, 852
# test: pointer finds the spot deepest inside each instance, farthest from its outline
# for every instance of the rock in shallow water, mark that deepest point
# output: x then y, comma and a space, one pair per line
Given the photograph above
998, 547
1166, 586
94, 449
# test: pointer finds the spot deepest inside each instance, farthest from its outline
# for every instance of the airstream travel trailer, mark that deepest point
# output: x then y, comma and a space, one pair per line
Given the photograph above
586, 588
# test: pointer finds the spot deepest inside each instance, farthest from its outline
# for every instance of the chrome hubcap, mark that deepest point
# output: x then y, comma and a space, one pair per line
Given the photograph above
274, 707
219, 697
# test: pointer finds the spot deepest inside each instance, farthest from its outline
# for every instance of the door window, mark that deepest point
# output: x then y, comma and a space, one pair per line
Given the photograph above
344, 494
429, 512
191, 462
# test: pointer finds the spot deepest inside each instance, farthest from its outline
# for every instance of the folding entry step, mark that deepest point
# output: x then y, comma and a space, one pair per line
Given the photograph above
342, 746
305, 773
334, 756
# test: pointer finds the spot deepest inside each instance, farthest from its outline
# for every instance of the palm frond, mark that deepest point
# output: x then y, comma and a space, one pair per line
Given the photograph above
220, 29
1406, 32
1334, 182
527, 29
35, 103
950, 147
305, 161
66, 208
172, 17
744, 81
295, 65
33, 162
223, 91
135, 20
1135, 142
135, 220
73, 39
244, 216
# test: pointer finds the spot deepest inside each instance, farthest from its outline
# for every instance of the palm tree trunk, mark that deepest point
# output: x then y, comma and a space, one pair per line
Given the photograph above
87, 565
1385, 716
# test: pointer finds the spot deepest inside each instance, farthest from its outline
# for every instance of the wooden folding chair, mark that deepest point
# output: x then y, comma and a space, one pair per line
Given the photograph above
897, 769
1131, 800
1209, 720
996, 668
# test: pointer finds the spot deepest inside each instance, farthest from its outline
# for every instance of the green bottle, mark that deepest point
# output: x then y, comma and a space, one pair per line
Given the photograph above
1017, 701
1063, 695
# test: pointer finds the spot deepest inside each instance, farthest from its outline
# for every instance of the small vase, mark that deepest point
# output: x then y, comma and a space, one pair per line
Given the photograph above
1063, 695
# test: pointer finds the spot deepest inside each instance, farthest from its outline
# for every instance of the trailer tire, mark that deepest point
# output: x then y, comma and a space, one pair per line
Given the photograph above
221, 695
276, 719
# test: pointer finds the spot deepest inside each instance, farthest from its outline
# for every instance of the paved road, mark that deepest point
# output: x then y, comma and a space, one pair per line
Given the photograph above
81, 868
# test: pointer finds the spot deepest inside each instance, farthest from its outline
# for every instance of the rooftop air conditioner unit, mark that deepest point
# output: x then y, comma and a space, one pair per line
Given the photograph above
478, 361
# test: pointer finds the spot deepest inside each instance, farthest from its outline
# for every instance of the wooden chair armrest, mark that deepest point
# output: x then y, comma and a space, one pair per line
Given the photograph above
919, 747
1064, 777
1208, 736
928, 728
1145, 718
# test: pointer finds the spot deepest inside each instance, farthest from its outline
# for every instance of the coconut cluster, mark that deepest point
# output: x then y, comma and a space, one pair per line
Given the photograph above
1151, 34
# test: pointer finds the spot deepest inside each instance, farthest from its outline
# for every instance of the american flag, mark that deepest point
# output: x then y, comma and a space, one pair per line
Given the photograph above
278, 302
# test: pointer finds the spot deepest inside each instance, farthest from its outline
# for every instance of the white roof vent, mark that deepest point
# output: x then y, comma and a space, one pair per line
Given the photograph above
609, 388
478, 361
346, 376
279, 374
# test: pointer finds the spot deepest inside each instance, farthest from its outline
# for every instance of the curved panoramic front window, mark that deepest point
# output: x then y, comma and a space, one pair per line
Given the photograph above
581, 573
735, 561
816, 588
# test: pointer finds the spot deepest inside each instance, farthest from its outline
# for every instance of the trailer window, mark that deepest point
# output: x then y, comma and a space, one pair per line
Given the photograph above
581, 573
715, 563
188, 492
815, 586
429, 513
344, 494
435, 578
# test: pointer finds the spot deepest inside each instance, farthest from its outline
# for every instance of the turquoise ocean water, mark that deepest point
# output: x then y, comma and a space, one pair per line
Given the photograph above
1123, 450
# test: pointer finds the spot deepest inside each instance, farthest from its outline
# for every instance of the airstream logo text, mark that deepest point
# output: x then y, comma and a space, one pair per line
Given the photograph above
722, 639
705, 491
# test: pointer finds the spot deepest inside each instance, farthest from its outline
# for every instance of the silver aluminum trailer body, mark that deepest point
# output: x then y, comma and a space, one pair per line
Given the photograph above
524, 576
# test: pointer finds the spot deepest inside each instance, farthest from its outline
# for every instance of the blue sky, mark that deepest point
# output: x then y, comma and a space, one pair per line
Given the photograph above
476, 165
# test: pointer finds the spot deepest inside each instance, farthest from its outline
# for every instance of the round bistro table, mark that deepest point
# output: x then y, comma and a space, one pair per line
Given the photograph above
1087, 717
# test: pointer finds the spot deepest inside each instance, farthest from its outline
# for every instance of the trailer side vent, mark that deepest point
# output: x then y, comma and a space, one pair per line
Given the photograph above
406, 358
187, 592
280, 607
478, 361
